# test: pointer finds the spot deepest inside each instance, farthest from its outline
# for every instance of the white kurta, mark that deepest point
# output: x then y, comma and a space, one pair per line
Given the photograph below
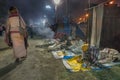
17, 39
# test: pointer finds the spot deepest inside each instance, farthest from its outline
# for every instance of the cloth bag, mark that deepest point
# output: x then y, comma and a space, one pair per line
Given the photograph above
24, 33
22, 30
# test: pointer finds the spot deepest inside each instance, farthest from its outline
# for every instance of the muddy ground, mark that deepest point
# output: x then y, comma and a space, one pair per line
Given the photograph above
41, 65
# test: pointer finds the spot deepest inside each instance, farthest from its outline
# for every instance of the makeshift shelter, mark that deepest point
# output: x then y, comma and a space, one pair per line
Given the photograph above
104, 24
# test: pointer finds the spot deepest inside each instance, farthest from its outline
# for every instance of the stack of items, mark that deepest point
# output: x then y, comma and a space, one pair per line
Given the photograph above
108, 55
59, 35
75, 64
72, 61
74, 57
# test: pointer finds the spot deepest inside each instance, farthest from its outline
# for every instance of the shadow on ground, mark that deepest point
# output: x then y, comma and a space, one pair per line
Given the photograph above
7, 69
2, 49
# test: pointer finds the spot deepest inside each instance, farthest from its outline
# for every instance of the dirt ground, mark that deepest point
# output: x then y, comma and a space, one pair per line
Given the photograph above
41, 65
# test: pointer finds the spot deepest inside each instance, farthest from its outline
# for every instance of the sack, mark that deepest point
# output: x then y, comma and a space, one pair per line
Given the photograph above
23, 31
8, 40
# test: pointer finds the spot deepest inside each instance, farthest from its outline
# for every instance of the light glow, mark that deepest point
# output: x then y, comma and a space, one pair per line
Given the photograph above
111, 2
48, 7
57, 2
87, 15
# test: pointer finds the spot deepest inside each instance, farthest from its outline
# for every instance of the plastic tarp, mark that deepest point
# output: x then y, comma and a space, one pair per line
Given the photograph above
75, 64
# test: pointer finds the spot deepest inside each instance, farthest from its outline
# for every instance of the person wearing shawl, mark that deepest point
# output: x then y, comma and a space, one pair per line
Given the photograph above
18, 40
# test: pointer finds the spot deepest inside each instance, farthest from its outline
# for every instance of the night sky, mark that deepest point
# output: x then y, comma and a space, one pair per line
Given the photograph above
34, 9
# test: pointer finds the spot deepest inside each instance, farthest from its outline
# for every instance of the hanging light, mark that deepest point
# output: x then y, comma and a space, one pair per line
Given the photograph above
87, 15
80, 19
57, 2
111, 2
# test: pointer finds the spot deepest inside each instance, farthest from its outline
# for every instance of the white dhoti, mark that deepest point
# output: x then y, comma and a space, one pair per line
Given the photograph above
18, 45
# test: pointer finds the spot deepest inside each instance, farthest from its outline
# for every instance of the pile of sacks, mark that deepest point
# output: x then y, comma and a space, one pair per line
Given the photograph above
72, 54
108, 55
71, 61
75, 64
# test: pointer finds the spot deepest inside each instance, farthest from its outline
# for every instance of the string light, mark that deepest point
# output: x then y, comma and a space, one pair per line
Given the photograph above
111, 2
87, 15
